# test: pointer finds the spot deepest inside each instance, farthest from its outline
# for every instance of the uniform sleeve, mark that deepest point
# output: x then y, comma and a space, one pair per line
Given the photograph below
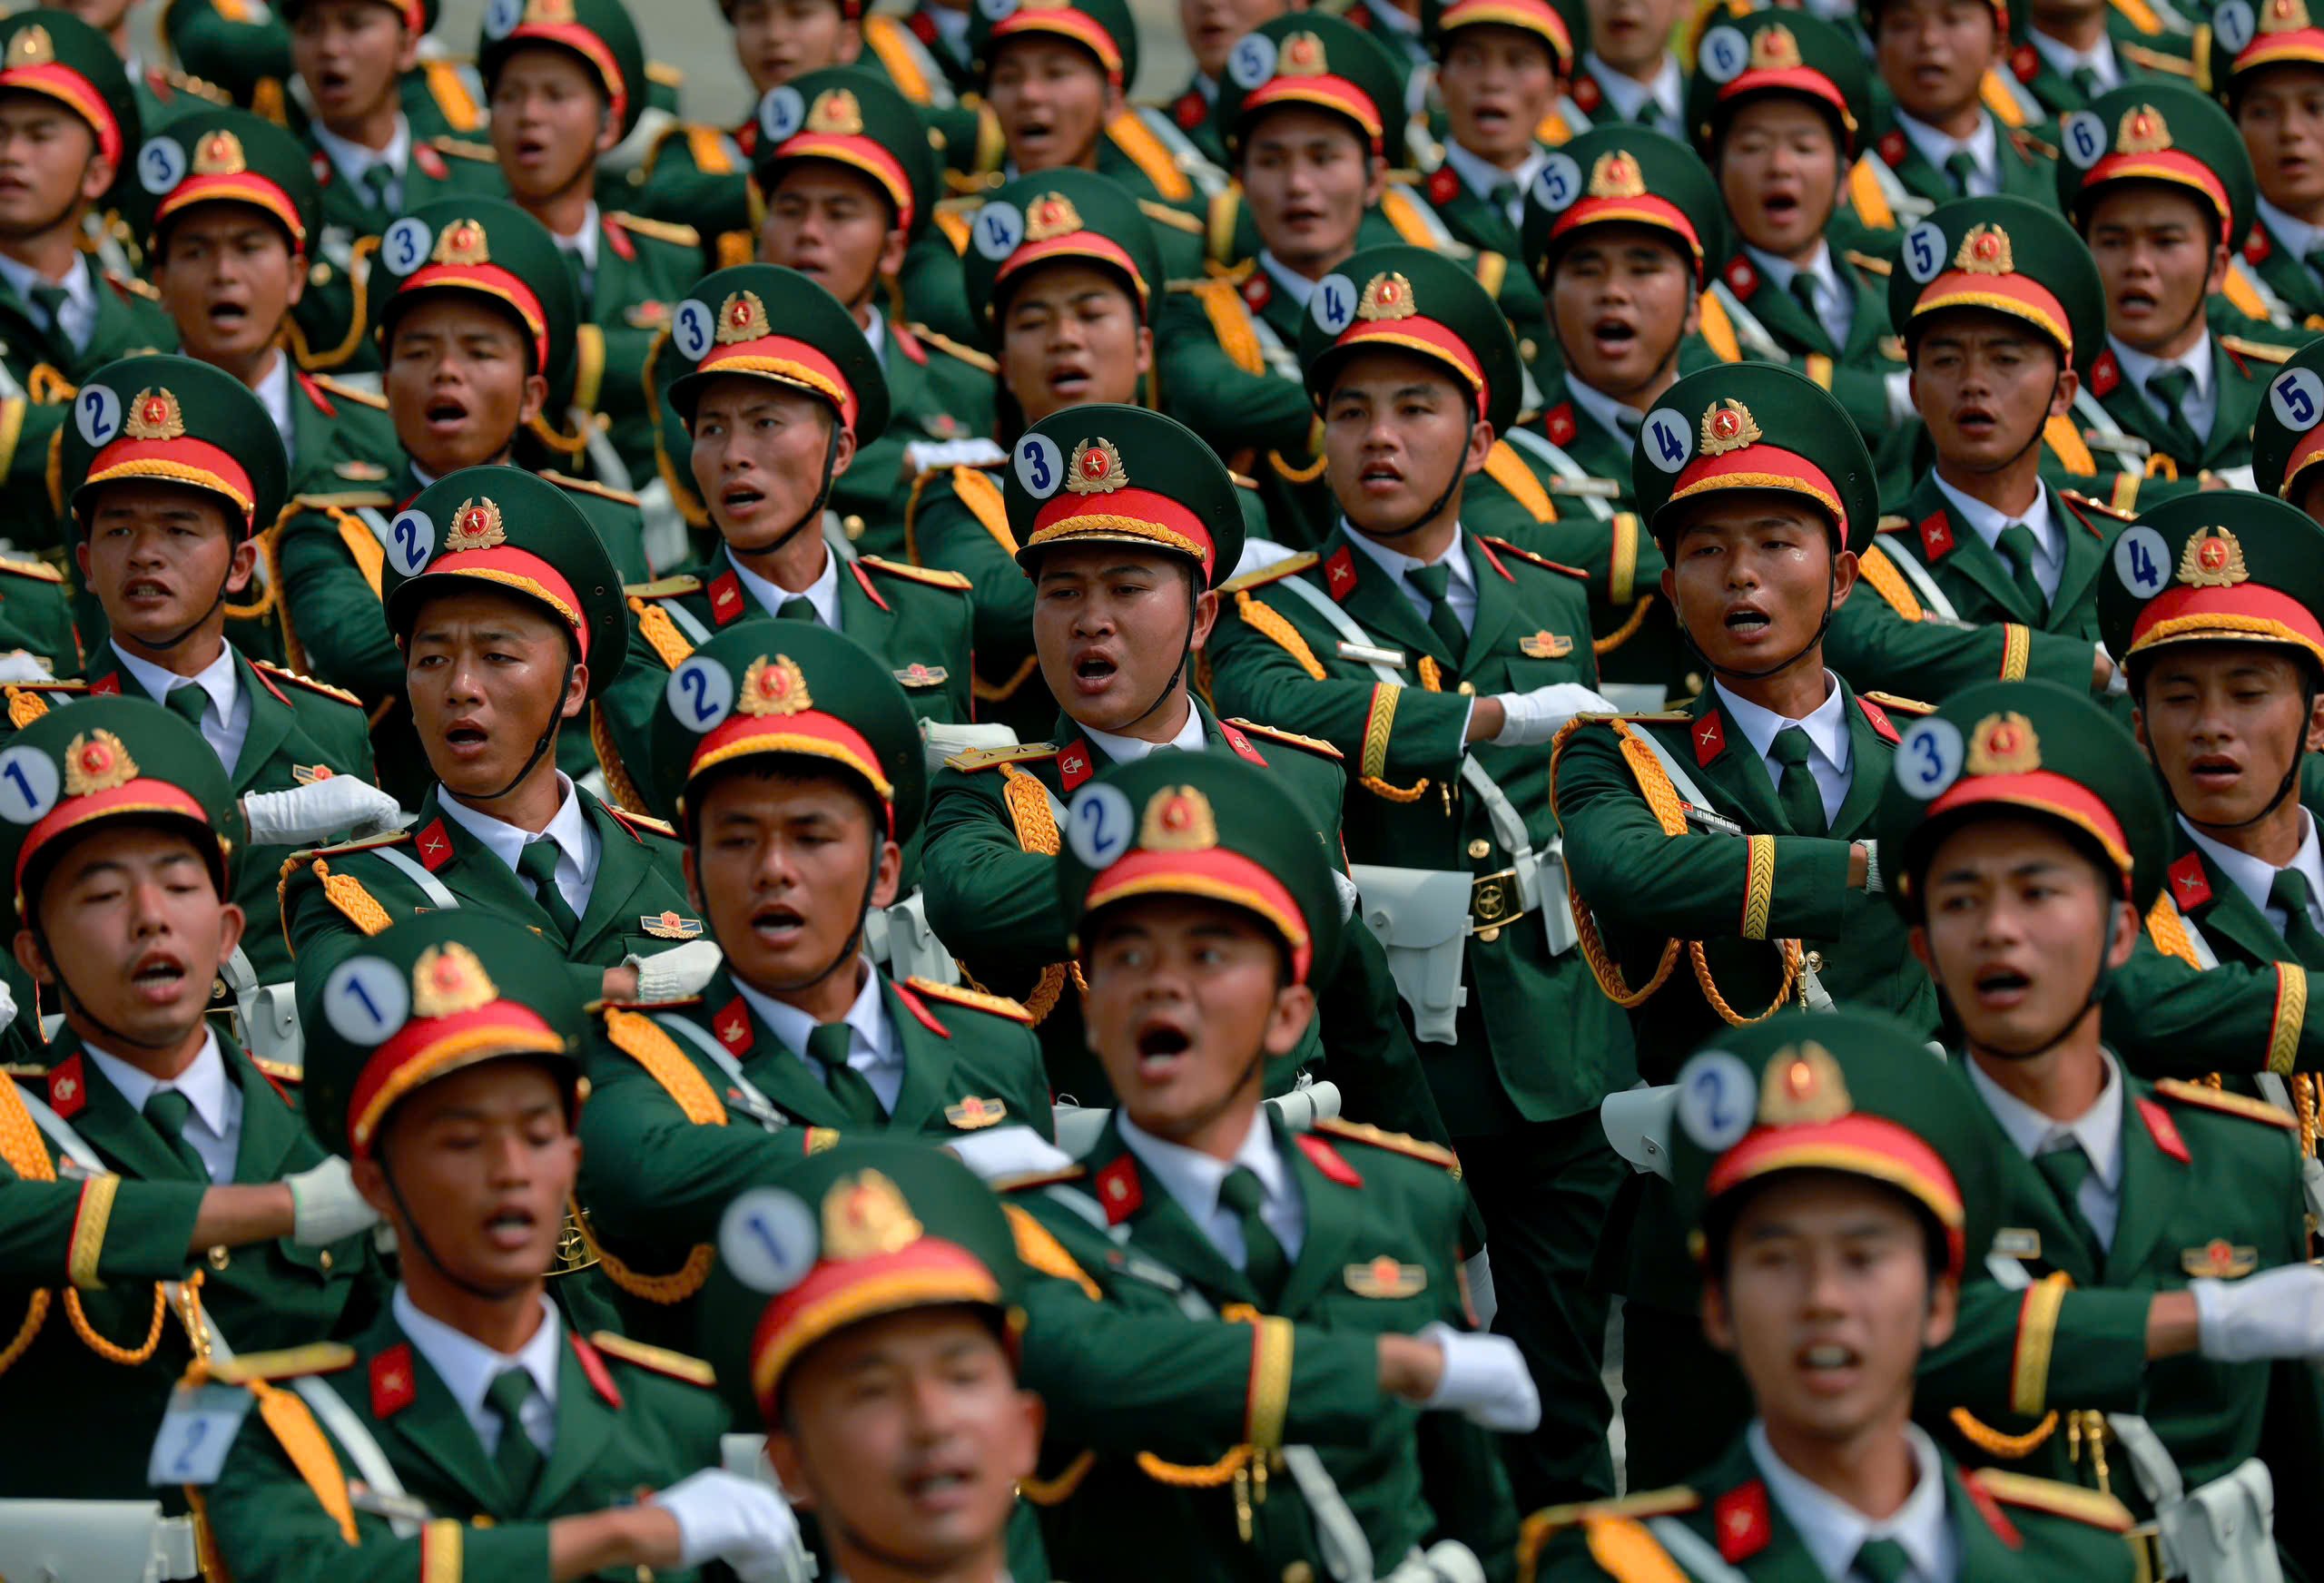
2168, 1018
626, 709
649, 1175
945, 535
1877, 648
1461, 1473
27, 431
320, 935
1232, 409
340, 621
1396, 733
97, 1232
985, 891
2015, 1355
1690, 886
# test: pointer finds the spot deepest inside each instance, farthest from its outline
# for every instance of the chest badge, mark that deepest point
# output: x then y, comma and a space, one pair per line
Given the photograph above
308, 774
973, 1113
1384, 1277
670, 925
2219, 1260
1545, 645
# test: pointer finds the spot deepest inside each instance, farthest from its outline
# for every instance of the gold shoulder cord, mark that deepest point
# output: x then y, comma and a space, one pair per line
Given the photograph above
2169, 932
1028, 809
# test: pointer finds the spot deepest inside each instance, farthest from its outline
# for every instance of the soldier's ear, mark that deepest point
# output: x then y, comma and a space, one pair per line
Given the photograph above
2124, 936
31, 959
1716, 1327
1944, 1307
1294, 1008
782, 1452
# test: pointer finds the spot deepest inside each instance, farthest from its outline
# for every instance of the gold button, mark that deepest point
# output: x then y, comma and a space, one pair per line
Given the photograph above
1480, 847
1467, 689
325, 1259
853, 526
1489, 935
1526, 349
319, 275
1694, 684
1814, 961
1299, 1572
220, 1257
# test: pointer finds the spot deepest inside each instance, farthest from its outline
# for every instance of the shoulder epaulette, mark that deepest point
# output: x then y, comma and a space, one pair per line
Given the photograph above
1313, 744
1645, 1503
1275, 573
24, 1070
281, 1071
311, 683
460, 149
347, 501
365, 845
660, 1360
1896, 705
2155, 60
934, 576
1241, 480
598, 1008
663, 587
588, 486
25, 703
1176, 219
130, 286
1543, 561
1363, 1131
1894, 522
39, 571
665, 74
2094, 1506
2103, 508
2265, 351
1868, 264
1646, 716
976, 360
975, 999
646, 822
2033, 147
291, 1363
1035, 1178
2225, 1102
355, 393
986, 758
668, 231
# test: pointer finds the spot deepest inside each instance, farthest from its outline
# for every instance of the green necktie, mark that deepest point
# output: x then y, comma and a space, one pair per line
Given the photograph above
1961, 168
538, 862
1808, 293
51, 300
2086, 84
188, 703
2065, 1169
828, 1048
2167, 390
2018, 547
1434, 583
1503, 195
2291, 893
1801, 799
519, 1459
798, 607
578, 272
1263, 1263
376, 181
167, 1109
1882, 1561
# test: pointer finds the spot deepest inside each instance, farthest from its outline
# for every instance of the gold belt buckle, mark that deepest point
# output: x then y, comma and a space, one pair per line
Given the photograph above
1493, 900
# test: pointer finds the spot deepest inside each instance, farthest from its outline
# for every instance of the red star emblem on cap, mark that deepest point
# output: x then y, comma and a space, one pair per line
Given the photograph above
2212, 554
96, 758
1725, 424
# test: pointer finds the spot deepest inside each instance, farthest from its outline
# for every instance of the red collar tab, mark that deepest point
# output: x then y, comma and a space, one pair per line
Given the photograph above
1240, 743
1339, 573
1558, 424
429, 161
1710, 738
1990, 1510
1491, 559
323, 404
733, 1027
918, 1008
1892, 148
593, 1364
1075, 764
1119, 1190
726, 601
107, 686
619, 240
391, 1382
1442, 186
2105, 374
2164, 1131
1327, 1160
2024, 63
435, 846
2190, 885
1587, 94
1257, 291
1741, 277
68, 1089
1744, 1526
863, 579
1936, 535
1879, 718
1191, 110
2257, 247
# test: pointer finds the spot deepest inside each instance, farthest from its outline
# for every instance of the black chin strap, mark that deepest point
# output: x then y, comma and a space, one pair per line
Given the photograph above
850, 948
1435, 507
2284, 788
548, 733
1186, 657
2090, 1003
163, 644
419, 1241
822, 498
1831, 603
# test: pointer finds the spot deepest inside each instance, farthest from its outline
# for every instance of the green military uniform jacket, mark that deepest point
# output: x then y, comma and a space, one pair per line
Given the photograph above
644, 269
103, 1243
37, 615
2024, 163
2284, 274
1855, 371
991, 844
1889, 636
1475, 221
2240, 371
1190, 111
2005, 1527
301, 730
1109, 1245
1275, 656
333, 898
695, 174
2138, 56
629, 1418
917, 621
669, 1138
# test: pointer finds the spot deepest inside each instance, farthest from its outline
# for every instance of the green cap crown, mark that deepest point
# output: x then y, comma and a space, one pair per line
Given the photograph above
2246, 36
868, 1227
763, 689
244, 51
2287, 434
1102, 473
1322, 62
115, 759
2221, 565
766, 322
1742, 58
851, 116
1624, 175
487, 249
597, 30
1561, 25
2003, 255
1757, 426
1854, 1093
161, 419
424, 999
1414, 300
2023, 748
1209, 826
1103, 27
230, 156
2158, 131
512, 531
57, 54
1075, 215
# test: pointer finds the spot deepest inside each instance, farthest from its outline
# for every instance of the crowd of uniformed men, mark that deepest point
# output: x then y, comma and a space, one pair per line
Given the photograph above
1525, 795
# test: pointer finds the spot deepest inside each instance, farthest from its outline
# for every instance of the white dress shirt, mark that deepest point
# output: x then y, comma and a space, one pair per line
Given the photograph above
1481, 176
2049, 543
576, 844
2256, 877
582, 242
1286, 278
822, 593
273, 392
1193, 1178
1128, 749
1835, 302
875, 331
350, 160
80, 311
2064, 59
215, 1126
2202, 400
1984, 146
2098, 1130
1833, 1531
227, 719
874, 1050
467, 1368
1831, 756
1618, 418
1461, 593
1668, 89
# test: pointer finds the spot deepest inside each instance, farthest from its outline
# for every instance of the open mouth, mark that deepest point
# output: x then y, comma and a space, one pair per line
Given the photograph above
1162, 1046
229, 315
445, 413
1379, 478
1976, 422
1781, 206
144, 590
1490, 117
1827, 1366
1614, 337
1070, 380
466, 738
1035, 129
510, 1227
940, 1489
2000, 986
2134, 303
2215, 772
1748, 621
738, 497
158, 976
1093, 673
778, 925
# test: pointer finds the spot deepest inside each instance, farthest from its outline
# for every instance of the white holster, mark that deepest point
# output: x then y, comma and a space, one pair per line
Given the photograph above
1078, 1126
899, 941
266, 1014
118, 1541
2225, 1531
1421, 919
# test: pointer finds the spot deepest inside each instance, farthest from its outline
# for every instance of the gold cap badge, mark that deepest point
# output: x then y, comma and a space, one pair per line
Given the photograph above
836, 113
476, 526
2213, 559
1985, 252
2004, 744
1802, 1086
98, 761
1053, 214
1776, 49
1178, 819
220, 154
1729, 426
864, 1216
550, 13
155, 415
1301, 55
1615, 176
2278, 16
742, 317
1095, 469
32, 47
448, 980
774, 685
1386, 296
2142, 131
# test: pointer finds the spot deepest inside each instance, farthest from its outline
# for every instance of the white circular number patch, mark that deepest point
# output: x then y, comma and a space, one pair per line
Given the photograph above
1253, 62
1929, 758
1724, 55
97, 412
1040, 465
768, 1239
1668, 439
999, 230
366, 1000
700, 693
1925, 252
783, 112
411, 541
29, 782
692, 327
160, 165
2142, 561
1717, 1100
1559, 184
403, 246
1333, 303
1099, 824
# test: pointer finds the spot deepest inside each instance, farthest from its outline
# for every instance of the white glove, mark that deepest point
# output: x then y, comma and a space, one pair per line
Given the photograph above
16, 665
306, 815
325, 1206
723, 1517
677, 973
930, 456
1531, 719
1008, 1151
7, 1005
2276, 1314
1485, 1380
1875, 882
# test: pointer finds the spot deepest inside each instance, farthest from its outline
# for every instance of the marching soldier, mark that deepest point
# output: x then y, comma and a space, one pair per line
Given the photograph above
468, 1429
171, 1197
1439, 660
777, 388
2285, 441
2152, 1251
1939, 140
795, 767
1765, 899
2262, 60
508, 610
1630, 72
2070, 52
1205, 916
1804, 1150
1212, 28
